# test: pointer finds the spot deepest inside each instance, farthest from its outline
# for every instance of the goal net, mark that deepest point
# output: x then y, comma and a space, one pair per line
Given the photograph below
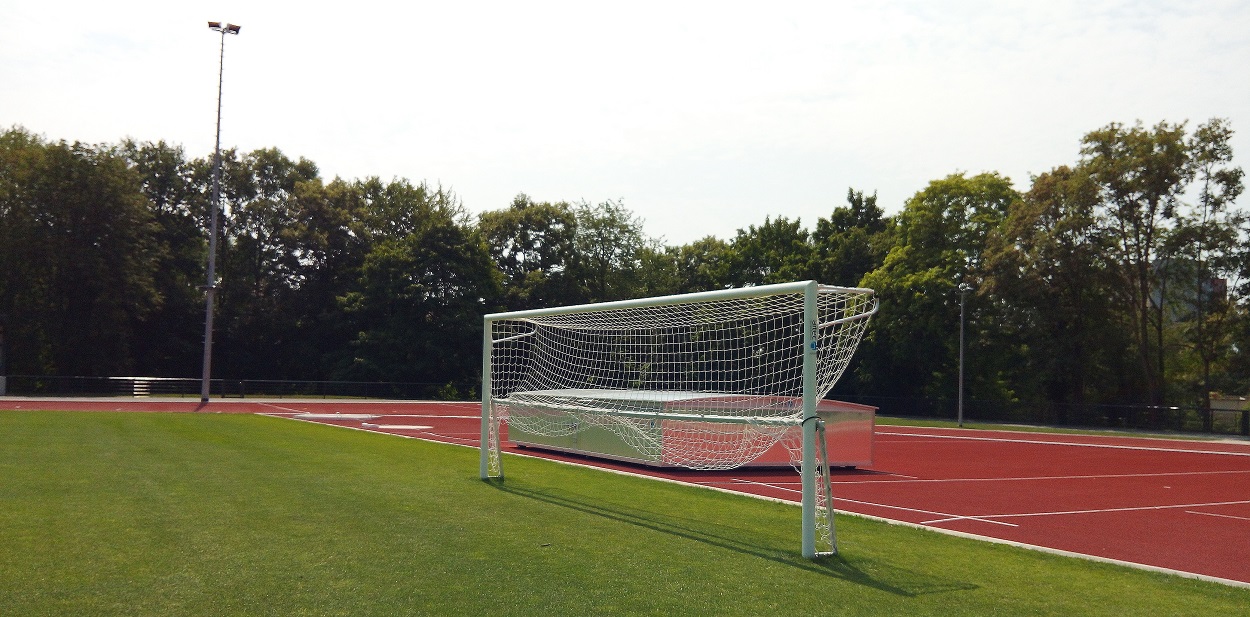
703, 381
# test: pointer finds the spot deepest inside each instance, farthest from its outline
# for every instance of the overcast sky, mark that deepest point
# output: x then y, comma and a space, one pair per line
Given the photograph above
704, 117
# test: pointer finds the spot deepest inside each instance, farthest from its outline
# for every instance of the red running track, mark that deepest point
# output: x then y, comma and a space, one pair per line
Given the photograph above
1178, 505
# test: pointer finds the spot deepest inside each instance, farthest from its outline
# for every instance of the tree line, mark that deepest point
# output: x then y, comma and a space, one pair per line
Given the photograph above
1118, 278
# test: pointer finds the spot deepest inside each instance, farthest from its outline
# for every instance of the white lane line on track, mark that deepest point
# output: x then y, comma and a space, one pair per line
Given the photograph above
458, 439
1075, 477
918, 511
1103, 510
881, 505
1240, 518
426, 415
1066, 443
915, 480
286, 409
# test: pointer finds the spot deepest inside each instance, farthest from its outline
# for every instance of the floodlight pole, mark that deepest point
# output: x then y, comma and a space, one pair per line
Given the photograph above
4, 374
964, 288
210, 288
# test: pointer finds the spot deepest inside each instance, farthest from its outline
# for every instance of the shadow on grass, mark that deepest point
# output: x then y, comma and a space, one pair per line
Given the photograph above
855, 569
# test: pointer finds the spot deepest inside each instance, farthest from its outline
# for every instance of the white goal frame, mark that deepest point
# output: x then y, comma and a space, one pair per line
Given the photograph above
817, 506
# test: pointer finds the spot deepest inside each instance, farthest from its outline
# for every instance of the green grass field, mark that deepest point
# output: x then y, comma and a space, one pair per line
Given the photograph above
189, 514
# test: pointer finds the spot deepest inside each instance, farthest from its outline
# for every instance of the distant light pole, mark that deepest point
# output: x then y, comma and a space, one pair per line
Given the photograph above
964, 288
211, 288
4, 374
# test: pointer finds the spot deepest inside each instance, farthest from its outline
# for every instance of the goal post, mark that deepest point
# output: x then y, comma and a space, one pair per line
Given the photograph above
708, 380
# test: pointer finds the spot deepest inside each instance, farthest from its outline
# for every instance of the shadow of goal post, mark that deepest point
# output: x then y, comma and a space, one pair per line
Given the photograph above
804, 331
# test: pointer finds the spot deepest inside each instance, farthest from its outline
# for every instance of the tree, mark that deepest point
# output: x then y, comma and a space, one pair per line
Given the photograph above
534, 245
1208, 241
1141, 174
912, 346
330, 241
852, 242
77, 261
173, 339
609, 242
776, 252
420, 302
1050, 269
706, 265
259, 262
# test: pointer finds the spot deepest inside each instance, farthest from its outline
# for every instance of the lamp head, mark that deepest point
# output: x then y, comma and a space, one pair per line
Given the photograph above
226, 29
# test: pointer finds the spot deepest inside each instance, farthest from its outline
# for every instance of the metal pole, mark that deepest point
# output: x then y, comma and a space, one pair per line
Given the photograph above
4, 374
484, 466
963, 295
210, 287
807, 466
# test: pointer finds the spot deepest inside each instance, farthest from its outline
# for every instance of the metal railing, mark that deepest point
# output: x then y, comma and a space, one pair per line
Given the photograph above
1137, 417
55, 385
1186, 419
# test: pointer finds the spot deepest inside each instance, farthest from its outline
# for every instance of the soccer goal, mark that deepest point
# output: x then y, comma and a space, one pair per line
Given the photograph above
707, 380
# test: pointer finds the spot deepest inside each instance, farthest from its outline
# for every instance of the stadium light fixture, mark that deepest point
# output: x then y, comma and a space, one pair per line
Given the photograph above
210, 289
964, 288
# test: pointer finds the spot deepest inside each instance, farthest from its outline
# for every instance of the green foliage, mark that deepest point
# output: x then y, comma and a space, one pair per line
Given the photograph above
167, 183
1051, 263
776, 252
534, 246
609, 247
1141, 174
852, 242
421, 292
78, 258
1121, 278
913, 344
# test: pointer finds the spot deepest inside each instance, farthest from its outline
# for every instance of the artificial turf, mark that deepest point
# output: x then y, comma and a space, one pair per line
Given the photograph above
209, 514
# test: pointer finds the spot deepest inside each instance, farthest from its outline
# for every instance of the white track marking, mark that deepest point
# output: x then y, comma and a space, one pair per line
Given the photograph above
288, 409
1073, 477
945, 514
880, 505
1125, 509
769, 485
1240, 518
396, 427
1066, 443
426, 415
461, 439
337, 416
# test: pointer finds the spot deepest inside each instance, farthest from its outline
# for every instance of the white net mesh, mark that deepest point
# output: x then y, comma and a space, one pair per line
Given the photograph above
709, 382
